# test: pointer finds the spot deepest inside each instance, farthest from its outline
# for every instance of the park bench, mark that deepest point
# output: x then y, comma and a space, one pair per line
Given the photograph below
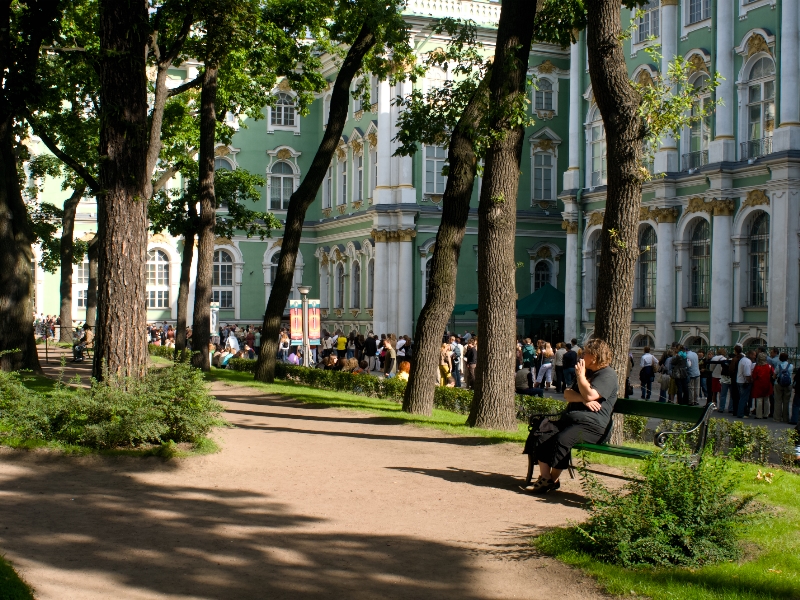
698, 415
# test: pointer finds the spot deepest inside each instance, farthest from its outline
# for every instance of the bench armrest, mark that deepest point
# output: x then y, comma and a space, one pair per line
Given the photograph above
701, 425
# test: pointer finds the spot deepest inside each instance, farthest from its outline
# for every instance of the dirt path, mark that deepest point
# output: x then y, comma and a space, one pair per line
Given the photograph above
303, 502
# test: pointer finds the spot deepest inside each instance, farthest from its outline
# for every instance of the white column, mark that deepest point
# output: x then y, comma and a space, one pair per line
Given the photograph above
572, 176
589, 283
739, 276
723, 147
721, 304
393, 286
383, 194
237, 290
571, 283
783, 268
666, 159
405, 194
787, 136
405, 290
380, 308
665, 278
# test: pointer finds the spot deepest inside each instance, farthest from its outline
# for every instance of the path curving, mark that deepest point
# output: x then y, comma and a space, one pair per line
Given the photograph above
302, 502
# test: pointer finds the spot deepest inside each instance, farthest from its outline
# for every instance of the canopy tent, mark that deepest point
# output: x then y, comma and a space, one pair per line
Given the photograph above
546, 301
461, 309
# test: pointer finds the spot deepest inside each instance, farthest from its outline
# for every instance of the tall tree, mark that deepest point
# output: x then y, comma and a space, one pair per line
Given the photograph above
24, 26
370, 29
67, 259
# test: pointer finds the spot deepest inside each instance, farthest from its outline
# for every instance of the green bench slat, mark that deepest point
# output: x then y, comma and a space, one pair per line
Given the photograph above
623, 451
659, 410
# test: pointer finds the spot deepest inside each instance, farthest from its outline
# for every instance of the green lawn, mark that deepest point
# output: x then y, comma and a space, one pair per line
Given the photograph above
11, 586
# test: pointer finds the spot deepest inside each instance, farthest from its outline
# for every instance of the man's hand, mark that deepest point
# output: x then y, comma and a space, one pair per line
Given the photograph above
593, 406
580, 368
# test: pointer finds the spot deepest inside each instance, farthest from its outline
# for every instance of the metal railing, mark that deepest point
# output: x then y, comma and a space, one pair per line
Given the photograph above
756, 148
694, 160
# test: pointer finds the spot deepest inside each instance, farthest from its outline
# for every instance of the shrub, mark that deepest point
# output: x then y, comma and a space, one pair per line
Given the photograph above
672, 514
172, 403
162, 351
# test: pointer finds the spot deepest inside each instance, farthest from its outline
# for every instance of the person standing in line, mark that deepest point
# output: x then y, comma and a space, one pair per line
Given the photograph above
744, 381
470, 360
351, 345
647, 373
341, 345
693, 371
795, 414
371, 351
568, 363
445, 363
400, 348
783, 388
545, 371
679, 371
733, 371
762, 385
528, 352
719, 388
558, 361
390, 360
257, 341
360, 341
773, 359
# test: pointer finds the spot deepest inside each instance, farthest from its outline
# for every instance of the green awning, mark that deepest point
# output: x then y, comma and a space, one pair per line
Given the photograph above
546, 301
460, 309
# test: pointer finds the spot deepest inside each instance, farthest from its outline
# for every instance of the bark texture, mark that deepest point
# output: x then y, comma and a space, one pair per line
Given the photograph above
493, 403
91, 292
619, 103
67, 252
122, 208
302, 199
183, 294
418, 397
201, 325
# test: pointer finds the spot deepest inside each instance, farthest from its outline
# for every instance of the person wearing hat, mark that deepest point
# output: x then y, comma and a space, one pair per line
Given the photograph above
85, 342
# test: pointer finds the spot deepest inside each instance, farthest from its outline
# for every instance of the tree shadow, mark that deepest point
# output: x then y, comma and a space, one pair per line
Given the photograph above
98, 516
499, 481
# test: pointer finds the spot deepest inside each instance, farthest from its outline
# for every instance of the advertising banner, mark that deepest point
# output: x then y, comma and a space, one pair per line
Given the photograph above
296, 322
313, 322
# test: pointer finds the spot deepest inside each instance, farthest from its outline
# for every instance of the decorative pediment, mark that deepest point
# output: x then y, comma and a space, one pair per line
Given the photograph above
284, 154
755, 41
696, 204
756, 198
697, 64
569, 226
277, 243
222, 150
544, 252
284, 85
372, 138
596, 218
756, 44
666, 215
548, 68
722, 207
159, 238
223, 241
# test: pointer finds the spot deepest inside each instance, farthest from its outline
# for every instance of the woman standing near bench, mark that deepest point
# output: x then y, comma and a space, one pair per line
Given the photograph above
591, 403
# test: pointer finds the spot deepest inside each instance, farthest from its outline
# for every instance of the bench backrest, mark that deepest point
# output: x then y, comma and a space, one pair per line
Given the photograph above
660, 410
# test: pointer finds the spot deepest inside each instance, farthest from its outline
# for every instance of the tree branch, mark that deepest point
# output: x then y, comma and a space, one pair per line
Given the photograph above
189, 85
164, 178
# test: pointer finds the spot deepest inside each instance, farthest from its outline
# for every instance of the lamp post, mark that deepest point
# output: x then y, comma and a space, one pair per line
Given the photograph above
304, 289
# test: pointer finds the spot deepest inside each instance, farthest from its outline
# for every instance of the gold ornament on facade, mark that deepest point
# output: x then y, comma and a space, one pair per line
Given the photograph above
722, 207
354, 312
370, 312
666, 215
596, 218
546, 67
545, 115
323, 260
379, 235
372, 138
222, 151
341, 208
158, 238
756, 44
373, 108
756, 198
544, 252
644, 78
338, 312
358, 115
357, 205
569, 226
284, 85
406, 235
341, 153
357, 147
284, 154
645, 213
277, 243
697, 64
545, 144
696, 205
326, 212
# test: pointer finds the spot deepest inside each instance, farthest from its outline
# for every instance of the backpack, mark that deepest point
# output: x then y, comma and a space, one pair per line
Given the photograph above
456, 358
784, 379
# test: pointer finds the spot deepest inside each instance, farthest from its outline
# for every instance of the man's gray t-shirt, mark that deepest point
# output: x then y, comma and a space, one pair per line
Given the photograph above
605, 383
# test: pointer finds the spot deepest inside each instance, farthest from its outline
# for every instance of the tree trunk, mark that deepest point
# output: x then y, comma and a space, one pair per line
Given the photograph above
619, 103
201, 325
67, 249
302, 199
122, 208
16, 310
418, 397
493, 404
91, 292
183, 294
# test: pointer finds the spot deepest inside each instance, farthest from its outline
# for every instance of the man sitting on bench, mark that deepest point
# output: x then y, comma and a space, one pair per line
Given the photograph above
591, 403
82, 344
523, 382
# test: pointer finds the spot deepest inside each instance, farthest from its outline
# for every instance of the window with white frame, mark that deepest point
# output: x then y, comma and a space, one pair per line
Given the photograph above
370, 283
273, 267
222, 279
597, 246
373, 90
428, 267
543, 95
327, 191
222, 164
357, 100
339, 298
543, 176
281, 185
759, 260
700, 283
647, 25
81, 272
435, 160
355, 285
82, 298
761, 100
358, 192
326, 110
699, 10
700, 127
157, 279
283, 113
597, 150
342, 199
541, 274
647, 268
373, 156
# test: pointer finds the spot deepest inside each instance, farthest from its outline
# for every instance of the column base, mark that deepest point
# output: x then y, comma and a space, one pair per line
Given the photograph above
382, 196
722, 151
666, 161
572, 179
786, 138
405, 195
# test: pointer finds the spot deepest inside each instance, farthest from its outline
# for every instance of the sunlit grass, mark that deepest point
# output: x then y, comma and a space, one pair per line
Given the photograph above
12, 587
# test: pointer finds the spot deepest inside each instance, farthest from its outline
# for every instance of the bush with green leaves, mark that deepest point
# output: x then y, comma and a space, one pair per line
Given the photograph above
162, 351
671, 514
171, 403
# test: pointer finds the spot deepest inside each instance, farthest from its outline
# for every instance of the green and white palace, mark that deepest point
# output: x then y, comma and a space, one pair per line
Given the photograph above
721, 225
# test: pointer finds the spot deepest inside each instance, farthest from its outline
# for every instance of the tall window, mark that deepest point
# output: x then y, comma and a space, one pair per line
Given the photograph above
701, 264
327, 192
699, 10
222, 279
597, 246
358, 193
543, 176
342, 199
428, 266
81, 272
283, 111
544, 95
373, 156
435, 159
82, 297
281, 185
597, 150
541, 274
355, 285
357, 102
647, 268
157, 279
700, 130
326, 110
273, 267
339, 286
370, 283
648, 24
761, 100
221, 164
759, 260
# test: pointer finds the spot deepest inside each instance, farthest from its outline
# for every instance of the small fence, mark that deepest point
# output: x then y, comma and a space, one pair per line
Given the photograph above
793, 352
50, 336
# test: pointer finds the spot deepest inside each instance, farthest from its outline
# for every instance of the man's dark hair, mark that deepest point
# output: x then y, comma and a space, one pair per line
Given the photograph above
569, 346
737, 349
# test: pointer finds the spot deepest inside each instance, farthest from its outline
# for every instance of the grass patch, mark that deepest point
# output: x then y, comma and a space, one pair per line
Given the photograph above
12, 587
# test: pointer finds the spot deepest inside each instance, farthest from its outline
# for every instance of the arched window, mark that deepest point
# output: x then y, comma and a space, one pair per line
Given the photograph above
428, 266
701, 265
358, 192
647, 268
543, 176
760, 108
157, 279
435, 160
597, 246
544, 95
283, 111
759, 260
222, 164
647, 24
370, 283
541, 274
327, 191
339, 286
342, 199
281, 185
699, 129
597, 150
643, 340
355, 285
273, 267
222, 279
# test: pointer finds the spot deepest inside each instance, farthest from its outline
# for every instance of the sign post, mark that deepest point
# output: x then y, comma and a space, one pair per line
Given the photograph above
304, 289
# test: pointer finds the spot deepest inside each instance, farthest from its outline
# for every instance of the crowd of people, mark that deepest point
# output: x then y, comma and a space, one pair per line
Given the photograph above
540, 367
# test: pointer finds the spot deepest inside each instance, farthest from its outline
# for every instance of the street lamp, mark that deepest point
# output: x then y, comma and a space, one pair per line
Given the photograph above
304, 290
